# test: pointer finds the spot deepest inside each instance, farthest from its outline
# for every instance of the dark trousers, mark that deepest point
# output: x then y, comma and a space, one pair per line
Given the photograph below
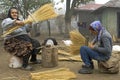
88, 54
25, 60
33, 56
33, 53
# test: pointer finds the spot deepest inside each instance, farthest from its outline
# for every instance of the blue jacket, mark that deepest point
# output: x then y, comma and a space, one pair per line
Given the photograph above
104, 45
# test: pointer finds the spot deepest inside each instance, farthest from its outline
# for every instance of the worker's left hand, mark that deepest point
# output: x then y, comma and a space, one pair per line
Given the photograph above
91, 45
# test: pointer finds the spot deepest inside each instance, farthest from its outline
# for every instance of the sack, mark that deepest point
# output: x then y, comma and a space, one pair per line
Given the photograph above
110, 66
15, 62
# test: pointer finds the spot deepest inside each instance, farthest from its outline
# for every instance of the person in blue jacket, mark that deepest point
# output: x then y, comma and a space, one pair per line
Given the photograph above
99, 49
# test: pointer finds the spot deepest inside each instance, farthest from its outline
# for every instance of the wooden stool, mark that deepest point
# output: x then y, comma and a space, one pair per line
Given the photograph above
49, 56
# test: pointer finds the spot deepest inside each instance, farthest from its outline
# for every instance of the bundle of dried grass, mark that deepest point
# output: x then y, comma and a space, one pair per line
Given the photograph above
57, 74
43, 13
75, 58
78, 40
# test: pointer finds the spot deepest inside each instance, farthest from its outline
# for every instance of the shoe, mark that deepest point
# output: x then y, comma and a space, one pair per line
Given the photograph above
28, 68
36, 62
86, 70
92, 66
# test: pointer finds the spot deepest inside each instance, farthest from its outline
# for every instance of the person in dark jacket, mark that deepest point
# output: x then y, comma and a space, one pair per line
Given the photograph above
99, 49
19, 43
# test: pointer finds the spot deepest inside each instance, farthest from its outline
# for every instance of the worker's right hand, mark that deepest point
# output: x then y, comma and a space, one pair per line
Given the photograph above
19, 23
90, 45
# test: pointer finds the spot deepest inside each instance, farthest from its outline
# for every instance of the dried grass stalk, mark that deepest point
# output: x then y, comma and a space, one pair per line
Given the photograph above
43, 13
54, 75
78, 40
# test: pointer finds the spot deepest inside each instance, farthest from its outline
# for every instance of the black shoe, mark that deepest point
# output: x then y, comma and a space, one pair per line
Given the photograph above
28, 68
36, 62
92, 66
86, 70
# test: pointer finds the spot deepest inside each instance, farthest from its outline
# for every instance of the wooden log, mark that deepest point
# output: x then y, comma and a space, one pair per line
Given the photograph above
49, 56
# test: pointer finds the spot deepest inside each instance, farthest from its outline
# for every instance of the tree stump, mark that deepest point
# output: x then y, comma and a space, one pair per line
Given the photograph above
49, 56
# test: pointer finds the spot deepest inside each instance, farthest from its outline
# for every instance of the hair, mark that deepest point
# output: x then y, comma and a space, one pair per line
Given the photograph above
90, 28
9, 12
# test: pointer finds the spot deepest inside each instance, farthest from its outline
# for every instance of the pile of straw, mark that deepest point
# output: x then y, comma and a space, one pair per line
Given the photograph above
78, 40
43, 13
56, 74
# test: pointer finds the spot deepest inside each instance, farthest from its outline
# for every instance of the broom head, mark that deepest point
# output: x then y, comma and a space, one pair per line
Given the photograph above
45, 12
78, 40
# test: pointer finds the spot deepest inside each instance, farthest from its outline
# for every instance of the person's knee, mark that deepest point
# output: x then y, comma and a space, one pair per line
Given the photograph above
36, 43
83, 48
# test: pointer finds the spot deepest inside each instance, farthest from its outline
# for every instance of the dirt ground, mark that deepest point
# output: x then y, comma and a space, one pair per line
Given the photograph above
7, 73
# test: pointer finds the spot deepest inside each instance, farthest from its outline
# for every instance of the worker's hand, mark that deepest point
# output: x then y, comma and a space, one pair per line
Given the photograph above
30, 23
91, 45
20, 23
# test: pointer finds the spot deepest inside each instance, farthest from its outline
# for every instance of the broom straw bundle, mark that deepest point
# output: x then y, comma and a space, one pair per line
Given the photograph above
43, 13
78, 40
